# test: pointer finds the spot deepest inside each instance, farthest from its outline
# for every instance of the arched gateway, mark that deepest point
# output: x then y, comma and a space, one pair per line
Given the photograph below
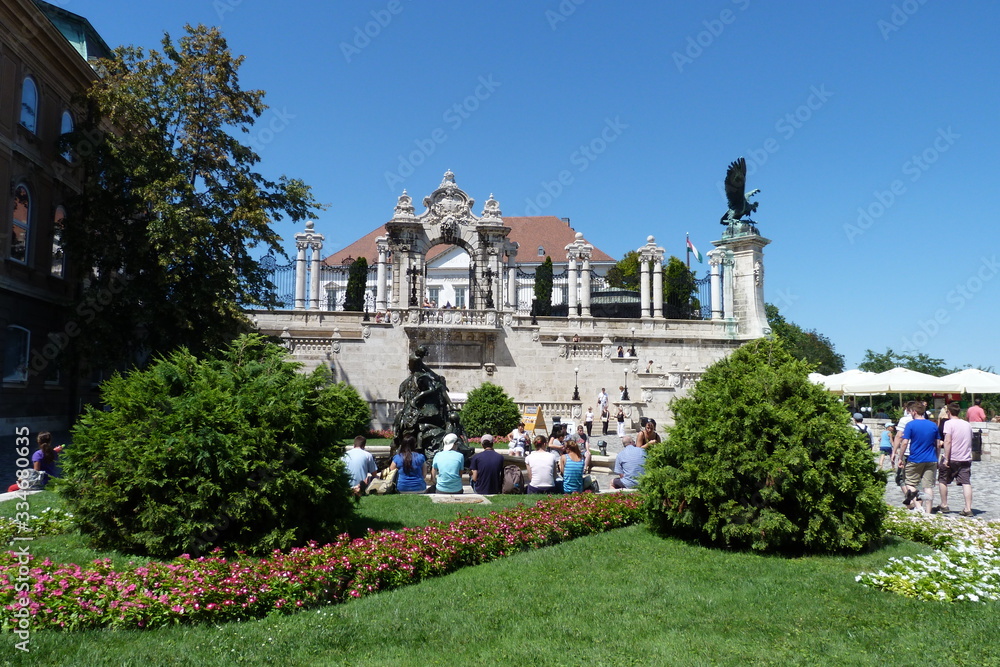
448, 220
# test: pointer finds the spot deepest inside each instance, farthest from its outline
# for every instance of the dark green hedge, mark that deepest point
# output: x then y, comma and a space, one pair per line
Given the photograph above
762, 459
240, 452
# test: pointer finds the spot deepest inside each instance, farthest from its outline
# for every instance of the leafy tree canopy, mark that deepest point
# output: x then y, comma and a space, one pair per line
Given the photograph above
810, 346
171, 206
876, 362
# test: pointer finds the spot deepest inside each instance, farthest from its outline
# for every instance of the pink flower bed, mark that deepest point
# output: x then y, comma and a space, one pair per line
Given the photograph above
215, 589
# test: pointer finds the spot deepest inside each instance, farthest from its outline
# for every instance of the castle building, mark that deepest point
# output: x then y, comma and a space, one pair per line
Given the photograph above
483, 266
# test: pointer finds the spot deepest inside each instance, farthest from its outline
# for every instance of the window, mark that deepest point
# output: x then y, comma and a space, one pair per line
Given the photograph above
541, 251
65, 128
15, 354
434, 293
58, 254
22, 223
29, 105
460, 297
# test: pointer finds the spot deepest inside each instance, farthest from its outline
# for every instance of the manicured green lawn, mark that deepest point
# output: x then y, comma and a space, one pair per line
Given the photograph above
620, 598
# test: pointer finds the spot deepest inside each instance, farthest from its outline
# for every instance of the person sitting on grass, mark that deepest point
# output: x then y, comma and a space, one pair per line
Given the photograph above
412, 467
42, 461
541, 468
487, 468
571, 465
360, 466
446, 473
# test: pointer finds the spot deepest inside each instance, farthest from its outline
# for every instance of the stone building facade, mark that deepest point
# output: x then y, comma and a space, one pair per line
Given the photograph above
44, 62
540, 361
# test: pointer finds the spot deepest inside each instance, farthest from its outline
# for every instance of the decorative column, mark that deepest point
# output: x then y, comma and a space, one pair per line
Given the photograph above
644, 287
300, 274
727, 287
715, 258
313, 242
314, 274
579, 250
571, 281
512, 279
382, 245
651, 253
657, 287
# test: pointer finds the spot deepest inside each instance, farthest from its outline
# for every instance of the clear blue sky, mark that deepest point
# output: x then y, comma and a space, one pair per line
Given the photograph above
870, 127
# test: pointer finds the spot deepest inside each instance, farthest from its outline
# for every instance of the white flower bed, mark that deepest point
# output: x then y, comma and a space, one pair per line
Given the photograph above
964, 567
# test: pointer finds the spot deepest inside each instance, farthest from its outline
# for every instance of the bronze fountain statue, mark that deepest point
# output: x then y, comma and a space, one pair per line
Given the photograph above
427, 413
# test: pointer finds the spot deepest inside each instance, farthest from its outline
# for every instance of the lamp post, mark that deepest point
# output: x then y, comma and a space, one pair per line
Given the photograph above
413, 272
631, 350
576, 384
625, 389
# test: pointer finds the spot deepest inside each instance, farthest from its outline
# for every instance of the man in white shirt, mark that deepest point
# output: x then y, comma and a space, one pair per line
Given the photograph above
360, 465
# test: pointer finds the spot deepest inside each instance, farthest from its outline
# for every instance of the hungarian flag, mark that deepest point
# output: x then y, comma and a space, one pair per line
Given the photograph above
697, 254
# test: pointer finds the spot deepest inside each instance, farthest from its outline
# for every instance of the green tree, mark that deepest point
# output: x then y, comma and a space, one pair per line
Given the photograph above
876, 362
488, 409
679, 290
239, 451
625, 273
543, 288
171, 207
809, 346
760, 458
357, 278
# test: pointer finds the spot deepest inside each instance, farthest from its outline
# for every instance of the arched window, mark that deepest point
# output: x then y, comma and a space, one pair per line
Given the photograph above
65, 128
58, 254
29, 105
22, 224
15, 354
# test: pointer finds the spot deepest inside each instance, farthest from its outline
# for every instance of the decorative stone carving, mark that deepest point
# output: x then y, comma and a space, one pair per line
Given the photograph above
508, 319
366, 331
534, 336
577, 412
396, 318
404, 207
758, 273
607, 352
491, 212
647, 395
634, 367
491, 318
336, 347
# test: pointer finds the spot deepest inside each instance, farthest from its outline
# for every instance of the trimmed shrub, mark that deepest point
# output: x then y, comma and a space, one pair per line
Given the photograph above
239, 452
542, 303
489, 409
762, 459
357, 277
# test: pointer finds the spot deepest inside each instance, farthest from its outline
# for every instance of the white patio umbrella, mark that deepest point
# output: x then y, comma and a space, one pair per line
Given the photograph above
901, 380
975, 381
835, 383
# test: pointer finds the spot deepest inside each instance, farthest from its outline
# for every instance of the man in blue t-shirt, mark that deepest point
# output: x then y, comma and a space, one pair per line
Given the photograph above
360, 465
629, 465
921, 466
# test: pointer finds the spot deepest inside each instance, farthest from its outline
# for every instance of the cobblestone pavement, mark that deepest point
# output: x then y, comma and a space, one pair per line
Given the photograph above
985, 492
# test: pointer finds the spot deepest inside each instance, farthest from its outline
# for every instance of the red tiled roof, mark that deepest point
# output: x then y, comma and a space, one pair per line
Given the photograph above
551, 233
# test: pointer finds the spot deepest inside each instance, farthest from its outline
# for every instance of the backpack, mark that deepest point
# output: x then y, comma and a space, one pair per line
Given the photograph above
863, 430
384, 483
513, 480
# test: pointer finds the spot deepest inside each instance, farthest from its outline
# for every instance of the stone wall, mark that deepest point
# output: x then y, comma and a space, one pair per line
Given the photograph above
534, 363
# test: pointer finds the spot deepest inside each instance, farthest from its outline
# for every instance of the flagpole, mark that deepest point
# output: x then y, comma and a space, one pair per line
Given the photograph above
687, 246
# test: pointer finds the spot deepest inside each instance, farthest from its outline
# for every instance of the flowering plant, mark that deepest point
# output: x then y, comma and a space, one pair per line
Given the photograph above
216, 589
965, 565
51, 521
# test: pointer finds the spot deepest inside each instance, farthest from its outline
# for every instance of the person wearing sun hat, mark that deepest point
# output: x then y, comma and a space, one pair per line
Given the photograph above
446, 472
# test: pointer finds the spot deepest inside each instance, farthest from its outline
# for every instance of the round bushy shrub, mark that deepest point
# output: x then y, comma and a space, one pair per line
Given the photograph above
762, 459
240, 451
488, 409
